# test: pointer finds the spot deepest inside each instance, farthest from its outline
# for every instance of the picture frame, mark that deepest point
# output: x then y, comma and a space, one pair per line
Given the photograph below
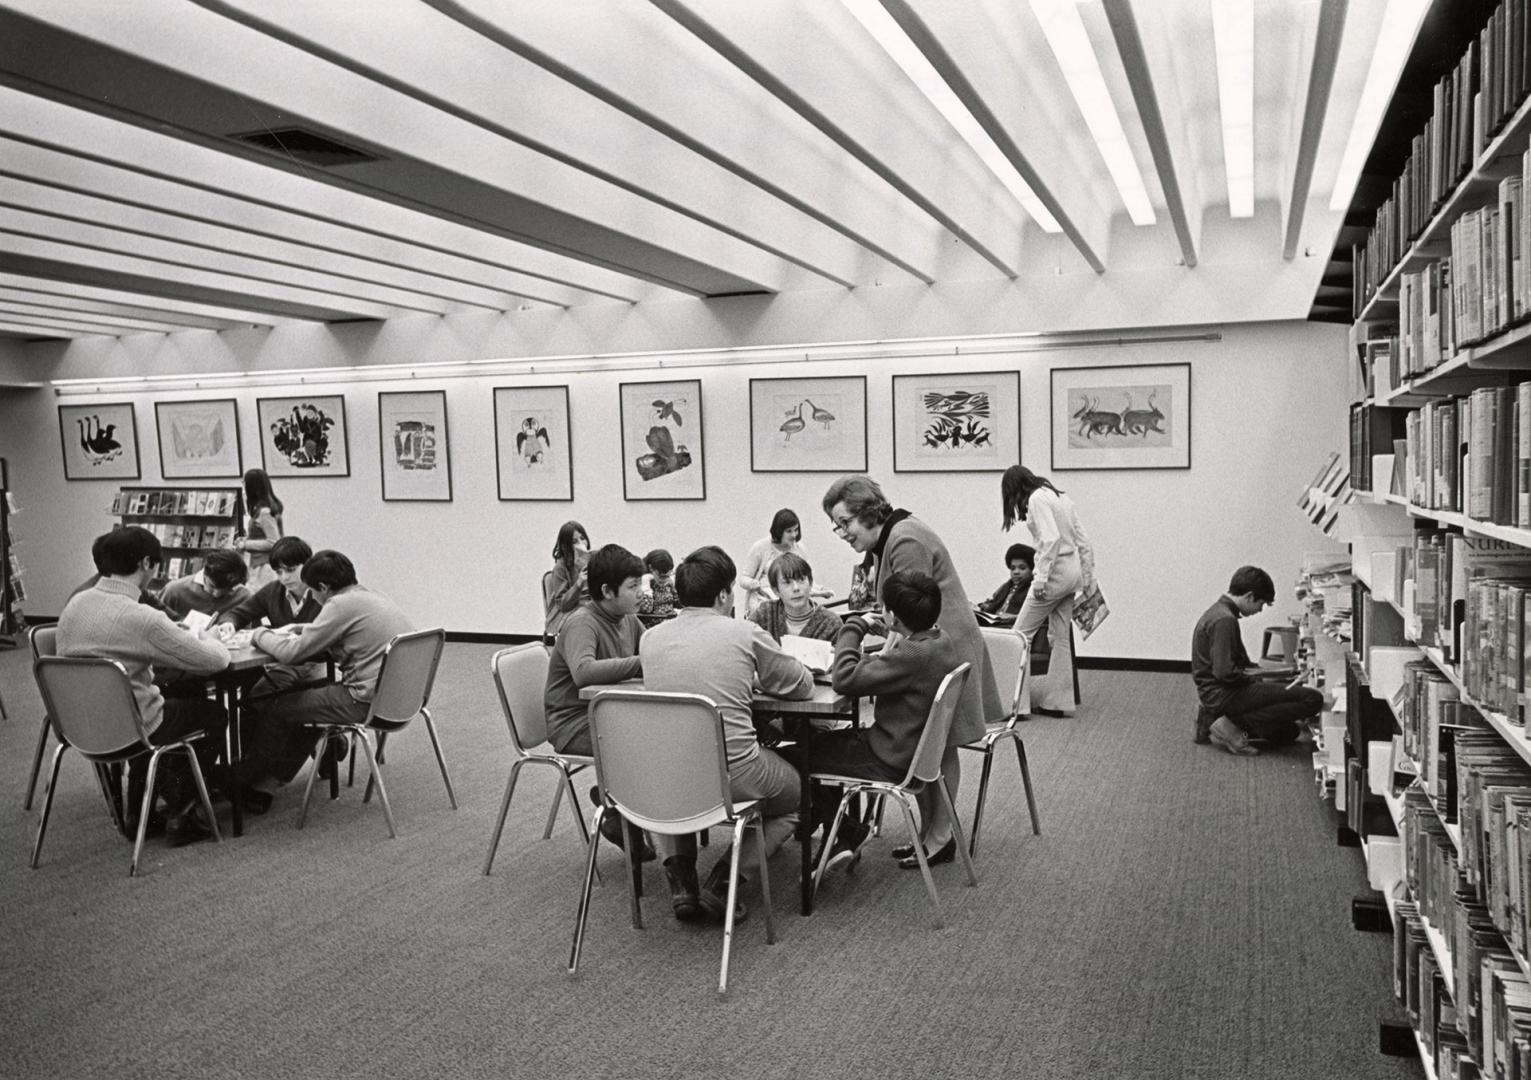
533, 444
830, 437
198, 439
414, 446
304, 436
1125, 416
957, 422
100, 442
663, 454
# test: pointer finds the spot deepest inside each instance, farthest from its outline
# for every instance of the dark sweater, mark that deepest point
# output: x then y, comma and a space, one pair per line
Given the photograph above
593, 649
1218, 659
269, 602
904, 681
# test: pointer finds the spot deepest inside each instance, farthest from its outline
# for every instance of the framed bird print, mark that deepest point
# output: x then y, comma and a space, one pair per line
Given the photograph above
412, 442
662, 452
100, 441
198, 439
957, 423
808, 425
532, 444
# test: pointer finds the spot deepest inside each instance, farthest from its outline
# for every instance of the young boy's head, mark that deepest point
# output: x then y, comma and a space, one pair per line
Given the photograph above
1021, 560
914, 599
1251, 589
659, 563
791, 579
704, 576
224, 571
613, 574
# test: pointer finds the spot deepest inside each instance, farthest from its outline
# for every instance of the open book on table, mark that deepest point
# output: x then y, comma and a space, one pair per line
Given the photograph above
816, 655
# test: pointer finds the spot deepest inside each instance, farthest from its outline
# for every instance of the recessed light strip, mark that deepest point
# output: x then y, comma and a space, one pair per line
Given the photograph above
1233, 38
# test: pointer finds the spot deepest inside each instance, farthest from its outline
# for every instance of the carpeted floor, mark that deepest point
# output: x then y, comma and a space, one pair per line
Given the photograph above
1184, 914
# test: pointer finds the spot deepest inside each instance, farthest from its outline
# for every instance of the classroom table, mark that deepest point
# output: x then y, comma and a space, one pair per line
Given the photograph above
824, 702
232, 686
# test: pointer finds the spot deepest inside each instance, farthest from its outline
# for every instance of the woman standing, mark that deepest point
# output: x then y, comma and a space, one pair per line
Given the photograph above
754, 572
563, 587
1065, 565
263, 527
864, 519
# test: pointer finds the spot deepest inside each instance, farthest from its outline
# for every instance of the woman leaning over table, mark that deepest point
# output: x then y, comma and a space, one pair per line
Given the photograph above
896, 540
263, 527
1065, 565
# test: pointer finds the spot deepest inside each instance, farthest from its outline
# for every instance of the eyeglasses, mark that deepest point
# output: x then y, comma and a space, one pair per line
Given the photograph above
841, 525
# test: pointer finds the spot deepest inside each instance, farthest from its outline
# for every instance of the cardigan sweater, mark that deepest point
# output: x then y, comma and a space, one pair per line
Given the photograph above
772, 618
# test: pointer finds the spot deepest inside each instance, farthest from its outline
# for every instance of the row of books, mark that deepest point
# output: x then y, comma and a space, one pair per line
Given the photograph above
1472, 455
192, 536
185, 502
1470, 105
1373, 431
1325, 589
1430, 714
1419, 987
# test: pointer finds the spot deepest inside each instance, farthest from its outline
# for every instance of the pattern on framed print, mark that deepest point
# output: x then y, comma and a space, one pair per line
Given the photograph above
100, 441
532, 444
198, 438
808, 425
662, 453
304, 436
414, 447
956, 423
1122, 417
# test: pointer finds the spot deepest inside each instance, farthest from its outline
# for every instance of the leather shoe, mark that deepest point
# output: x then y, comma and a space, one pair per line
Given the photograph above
945, 854
714, 908
335, 749
254, 799
1231, 737
187, 828
684, 891
612, 830
1038, 710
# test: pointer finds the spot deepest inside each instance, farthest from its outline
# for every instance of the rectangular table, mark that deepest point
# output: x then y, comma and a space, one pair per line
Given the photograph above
231, 689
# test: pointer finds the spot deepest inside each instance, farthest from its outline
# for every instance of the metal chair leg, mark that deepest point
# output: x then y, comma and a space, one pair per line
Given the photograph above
829, 838
373, 760
983, 794
42, 824
634, 872
951, 812
919, 853
313, 772
441, 761
143, 811
37, 763
558, 793
765, 881
733, 899
499, 823
1031, 797
207, 800
584, 897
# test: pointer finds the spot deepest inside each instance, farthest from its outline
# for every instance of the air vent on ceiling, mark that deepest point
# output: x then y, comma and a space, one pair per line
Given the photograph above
308, 147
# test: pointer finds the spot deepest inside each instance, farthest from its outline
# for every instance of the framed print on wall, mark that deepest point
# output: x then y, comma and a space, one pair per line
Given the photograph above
808, 425
957, 423
100, 441
413, 446
198, 439
1122, 417
533, 449
304, 436
662, 453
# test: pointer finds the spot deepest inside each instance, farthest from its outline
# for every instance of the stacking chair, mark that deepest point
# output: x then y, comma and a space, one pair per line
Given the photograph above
924, 769
1008, 659
663, 766
91, 706
403, 692
44, 641
521, 675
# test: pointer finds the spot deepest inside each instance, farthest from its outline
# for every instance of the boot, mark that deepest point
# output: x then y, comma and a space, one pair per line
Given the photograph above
713, 898
681, 871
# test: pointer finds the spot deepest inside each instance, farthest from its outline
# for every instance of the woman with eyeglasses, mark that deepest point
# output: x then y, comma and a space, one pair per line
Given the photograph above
896, 541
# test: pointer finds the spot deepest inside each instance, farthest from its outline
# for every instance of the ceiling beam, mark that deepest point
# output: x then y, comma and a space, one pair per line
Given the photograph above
120, 323
1326, 53
47, 301
32, 330
38, 282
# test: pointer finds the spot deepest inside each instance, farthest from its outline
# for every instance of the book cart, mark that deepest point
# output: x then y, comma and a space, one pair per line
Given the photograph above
1431, 758
189, 522
12, 589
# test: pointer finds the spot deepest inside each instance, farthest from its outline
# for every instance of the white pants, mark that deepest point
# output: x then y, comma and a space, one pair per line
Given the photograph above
1056, 691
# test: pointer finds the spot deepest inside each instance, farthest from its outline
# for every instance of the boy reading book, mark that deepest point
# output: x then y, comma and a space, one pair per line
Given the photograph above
794, 611
1001, 608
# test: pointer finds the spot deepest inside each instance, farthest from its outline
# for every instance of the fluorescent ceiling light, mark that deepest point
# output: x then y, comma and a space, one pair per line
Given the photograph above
1233, 38
1395, 38
928, 81
1081, 69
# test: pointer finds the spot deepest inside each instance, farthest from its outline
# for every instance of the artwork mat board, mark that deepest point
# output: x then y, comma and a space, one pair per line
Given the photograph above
912, 421
844, 397
1075, 447
169, 416
401, 483
80, 463
521, 481
276, 463
640, 415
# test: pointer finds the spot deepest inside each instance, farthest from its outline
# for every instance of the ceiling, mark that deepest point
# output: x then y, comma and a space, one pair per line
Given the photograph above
182, 165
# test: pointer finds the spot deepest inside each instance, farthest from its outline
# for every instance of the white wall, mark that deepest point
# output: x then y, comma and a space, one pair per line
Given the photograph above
1265, 413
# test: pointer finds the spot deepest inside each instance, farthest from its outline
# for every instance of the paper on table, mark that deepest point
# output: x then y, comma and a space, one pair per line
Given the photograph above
196, 621
815, 654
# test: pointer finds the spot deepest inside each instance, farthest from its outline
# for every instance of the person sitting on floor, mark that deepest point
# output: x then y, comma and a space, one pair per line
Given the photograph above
1235, 704
283, 601
656, 600
353, 629
212, 590
1006, 602
705, 651
108, 621
904, 680
794, 611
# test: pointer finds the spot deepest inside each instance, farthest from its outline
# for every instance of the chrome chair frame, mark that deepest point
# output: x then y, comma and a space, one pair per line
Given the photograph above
1001, 644
44, 642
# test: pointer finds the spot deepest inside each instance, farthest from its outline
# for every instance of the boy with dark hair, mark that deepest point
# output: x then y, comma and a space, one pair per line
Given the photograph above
657, 600
705, 651
794, 610
1006, 602
212, 590
280, 602
1235, 704
904, 681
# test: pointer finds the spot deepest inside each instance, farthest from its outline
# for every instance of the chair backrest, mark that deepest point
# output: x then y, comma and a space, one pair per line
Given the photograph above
408, 672
521, 676
547, 589
661, 758
1007, 653
90, 704
44, 641
926, 765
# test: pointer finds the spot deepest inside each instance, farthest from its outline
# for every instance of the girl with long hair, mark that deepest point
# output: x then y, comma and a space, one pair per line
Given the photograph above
563, 587
263, 526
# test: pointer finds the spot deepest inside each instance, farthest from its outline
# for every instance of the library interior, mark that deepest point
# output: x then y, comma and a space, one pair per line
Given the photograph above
739, 411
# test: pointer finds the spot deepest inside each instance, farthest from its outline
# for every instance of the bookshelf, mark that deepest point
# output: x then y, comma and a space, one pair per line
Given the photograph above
12, 586
189, 522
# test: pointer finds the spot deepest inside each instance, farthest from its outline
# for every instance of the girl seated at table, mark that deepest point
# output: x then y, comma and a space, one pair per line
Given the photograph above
794, 611
563, 587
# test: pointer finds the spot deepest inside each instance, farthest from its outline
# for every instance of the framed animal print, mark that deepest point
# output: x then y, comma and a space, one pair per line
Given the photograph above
662, 451
304, 436
1122, 417
413, 445
967, 422
533, 447
100, 441
808, 425
198, 439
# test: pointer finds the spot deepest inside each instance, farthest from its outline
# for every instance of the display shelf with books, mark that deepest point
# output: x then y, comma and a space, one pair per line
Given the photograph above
13, 590
189, 522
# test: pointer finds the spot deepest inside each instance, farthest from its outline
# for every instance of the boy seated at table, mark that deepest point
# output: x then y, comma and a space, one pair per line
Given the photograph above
904, 680
212, 590
656, 600
794, 611
278, 603
1006, 602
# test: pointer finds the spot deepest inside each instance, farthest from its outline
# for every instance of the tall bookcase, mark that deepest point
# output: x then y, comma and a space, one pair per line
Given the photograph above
189, 522
1437, 733
12, 589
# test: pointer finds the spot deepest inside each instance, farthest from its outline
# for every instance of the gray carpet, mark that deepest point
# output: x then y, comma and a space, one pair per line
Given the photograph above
1184, 914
